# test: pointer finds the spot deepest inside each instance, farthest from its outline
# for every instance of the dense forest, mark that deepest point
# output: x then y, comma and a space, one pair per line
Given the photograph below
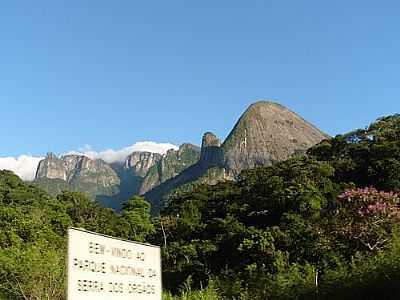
324, 225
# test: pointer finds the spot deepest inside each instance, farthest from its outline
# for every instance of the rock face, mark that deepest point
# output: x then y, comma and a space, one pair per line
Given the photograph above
81, 170
78, 173
170, 165
267, 133
75, 169
51, 167
141, 162
211, 151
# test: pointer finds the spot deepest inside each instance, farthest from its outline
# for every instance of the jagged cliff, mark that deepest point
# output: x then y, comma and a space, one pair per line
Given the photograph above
111, 184
76, 172
139, 163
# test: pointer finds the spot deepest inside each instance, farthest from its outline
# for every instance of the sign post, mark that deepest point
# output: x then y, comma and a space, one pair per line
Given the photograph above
106, 268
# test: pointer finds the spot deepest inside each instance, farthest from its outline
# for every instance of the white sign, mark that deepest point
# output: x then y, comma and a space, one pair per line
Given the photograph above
105, 268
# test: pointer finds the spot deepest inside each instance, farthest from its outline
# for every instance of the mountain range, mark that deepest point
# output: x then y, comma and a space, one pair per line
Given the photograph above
266, 133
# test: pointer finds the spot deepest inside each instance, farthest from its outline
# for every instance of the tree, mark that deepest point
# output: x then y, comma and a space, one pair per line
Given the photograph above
32, 243
366, 218
136, 215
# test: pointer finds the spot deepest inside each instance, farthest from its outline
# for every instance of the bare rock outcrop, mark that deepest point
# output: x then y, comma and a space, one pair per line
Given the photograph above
78, 172
211, 152
141, 162
267, 133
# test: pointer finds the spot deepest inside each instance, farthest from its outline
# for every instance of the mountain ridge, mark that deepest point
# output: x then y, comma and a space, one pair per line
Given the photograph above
138, 173
266, 132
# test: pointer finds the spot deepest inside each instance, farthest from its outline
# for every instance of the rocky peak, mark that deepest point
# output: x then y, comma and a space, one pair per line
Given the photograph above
267, 132
141, 162
77, 169
51, 167
211, 152
210, 140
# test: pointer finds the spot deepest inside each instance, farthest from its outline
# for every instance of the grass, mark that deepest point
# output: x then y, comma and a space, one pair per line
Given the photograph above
186, 293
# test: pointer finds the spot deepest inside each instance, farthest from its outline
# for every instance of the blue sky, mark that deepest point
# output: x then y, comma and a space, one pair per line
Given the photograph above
111, 73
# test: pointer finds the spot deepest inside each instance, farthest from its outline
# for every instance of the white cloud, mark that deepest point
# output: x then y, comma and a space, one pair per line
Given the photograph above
24, 166
110, 155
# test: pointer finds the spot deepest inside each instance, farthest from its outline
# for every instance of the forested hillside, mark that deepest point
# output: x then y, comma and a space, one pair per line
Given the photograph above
321, 226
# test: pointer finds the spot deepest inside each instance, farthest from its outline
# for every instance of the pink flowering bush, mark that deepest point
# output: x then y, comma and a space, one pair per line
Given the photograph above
367, 216
369, 202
